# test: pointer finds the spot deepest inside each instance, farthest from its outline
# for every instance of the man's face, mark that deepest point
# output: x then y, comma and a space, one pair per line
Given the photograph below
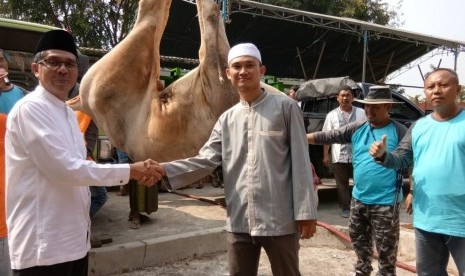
58, 81
377, 114
441, 89
245, 72
3, 72
292, 94
3, 62
345, 98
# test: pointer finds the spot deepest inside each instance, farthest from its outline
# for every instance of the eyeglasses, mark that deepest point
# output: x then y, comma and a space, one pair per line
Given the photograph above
55, 64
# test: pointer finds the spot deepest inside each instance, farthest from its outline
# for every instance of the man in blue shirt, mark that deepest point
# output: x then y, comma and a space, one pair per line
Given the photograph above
436, 146
9, 93
373, 213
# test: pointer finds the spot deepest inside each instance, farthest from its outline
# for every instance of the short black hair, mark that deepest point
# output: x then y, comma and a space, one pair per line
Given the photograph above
5, 55
452, 72
295, 87
346, 88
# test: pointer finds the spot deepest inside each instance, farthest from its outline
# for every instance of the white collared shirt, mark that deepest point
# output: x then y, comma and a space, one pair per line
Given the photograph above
47, 179
342, 153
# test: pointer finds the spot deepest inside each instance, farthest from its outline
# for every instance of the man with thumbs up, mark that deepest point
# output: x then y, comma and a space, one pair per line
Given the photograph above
436, 145
372, 208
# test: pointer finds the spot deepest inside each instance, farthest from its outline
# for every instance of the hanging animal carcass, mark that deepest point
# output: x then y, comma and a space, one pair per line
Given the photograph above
120, 90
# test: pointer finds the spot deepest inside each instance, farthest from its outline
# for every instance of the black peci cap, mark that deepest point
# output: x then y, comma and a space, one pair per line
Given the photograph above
57, 40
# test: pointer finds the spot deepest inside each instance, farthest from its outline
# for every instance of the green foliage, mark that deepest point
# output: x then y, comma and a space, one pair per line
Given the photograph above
103, 23
374, 11
97, 24
416, 98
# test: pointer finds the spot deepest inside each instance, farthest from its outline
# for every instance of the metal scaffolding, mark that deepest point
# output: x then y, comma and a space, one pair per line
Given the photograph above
364, 30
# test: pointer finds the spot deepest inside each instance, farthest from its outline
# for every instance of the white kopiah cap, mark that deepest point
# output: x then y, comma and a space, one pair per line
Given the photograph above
244, 49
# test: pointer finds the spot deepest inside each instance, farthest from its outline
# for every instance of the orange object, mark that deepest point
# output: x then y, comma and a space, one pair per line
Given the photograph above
83, 118
83, 121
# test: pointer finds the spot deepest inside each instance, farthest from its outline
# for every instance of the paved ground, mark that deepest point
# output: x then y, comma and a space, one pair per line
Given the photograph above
178, 214
175, 215
184, 228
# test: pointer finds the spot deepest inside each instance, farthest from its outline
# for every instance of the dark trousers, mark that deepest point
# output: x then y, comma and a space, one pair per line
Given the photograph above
72, 268
342, 173
244, 254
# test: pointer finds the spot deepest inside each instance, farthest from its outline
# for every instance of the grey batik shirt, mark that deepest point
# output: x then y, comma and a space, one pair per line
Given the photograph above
263, 150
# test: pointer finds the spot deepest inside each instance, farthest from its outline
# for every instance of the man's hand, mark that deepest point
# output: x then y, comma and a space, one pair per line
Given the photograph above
378, 148
325, 161
146, 172
408, 204
307, 228
3, 82
3, 73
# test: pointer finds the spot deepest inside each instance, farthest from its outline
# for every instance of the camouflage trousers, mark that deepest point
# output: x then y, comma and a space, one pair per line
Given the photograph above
374, 223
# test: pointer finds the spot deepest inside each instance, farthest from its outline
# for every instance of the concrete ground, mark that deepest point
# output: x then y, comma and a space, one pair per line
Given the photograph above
186, 237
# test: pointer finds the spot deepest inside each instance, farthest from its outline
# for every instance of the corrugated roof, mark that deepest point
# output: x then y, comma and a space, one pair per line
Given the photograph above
294, 44
328, 46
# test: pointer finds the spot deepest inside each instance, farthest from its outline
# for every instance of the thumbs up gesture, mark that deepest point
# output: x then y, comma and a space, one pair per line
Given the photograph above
378, 148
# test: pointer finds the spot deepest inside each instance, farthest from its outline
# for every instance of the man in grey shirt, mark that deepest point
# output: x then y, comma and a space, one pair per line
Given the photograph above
262, 147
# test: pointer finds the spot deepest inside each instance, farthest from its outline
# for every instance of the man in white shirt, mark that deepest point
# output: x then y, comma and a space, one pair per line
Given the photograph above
341, 154
47, 174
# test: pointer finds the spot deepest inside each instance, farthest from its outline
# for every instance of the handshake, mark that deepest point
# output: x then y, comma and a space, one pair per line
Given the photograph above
146, 172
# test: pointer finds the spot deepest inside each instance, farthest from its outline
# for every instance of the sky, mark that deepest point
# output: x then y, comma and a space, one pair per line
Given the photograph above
444, 19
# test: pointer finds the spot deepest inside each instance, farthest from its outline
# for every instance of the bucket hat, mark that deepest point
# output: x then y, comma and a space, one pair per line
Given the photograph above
378, 94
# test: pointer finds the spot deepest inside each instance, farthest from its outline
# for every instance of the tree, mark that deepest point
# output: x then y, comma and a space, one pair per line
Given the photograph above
416, 99
103, 23
97, 24
374, 11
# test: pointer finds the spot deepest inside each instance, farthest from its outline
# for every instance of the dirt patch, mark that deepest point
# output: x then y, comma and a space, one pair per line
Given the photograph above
315, 261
